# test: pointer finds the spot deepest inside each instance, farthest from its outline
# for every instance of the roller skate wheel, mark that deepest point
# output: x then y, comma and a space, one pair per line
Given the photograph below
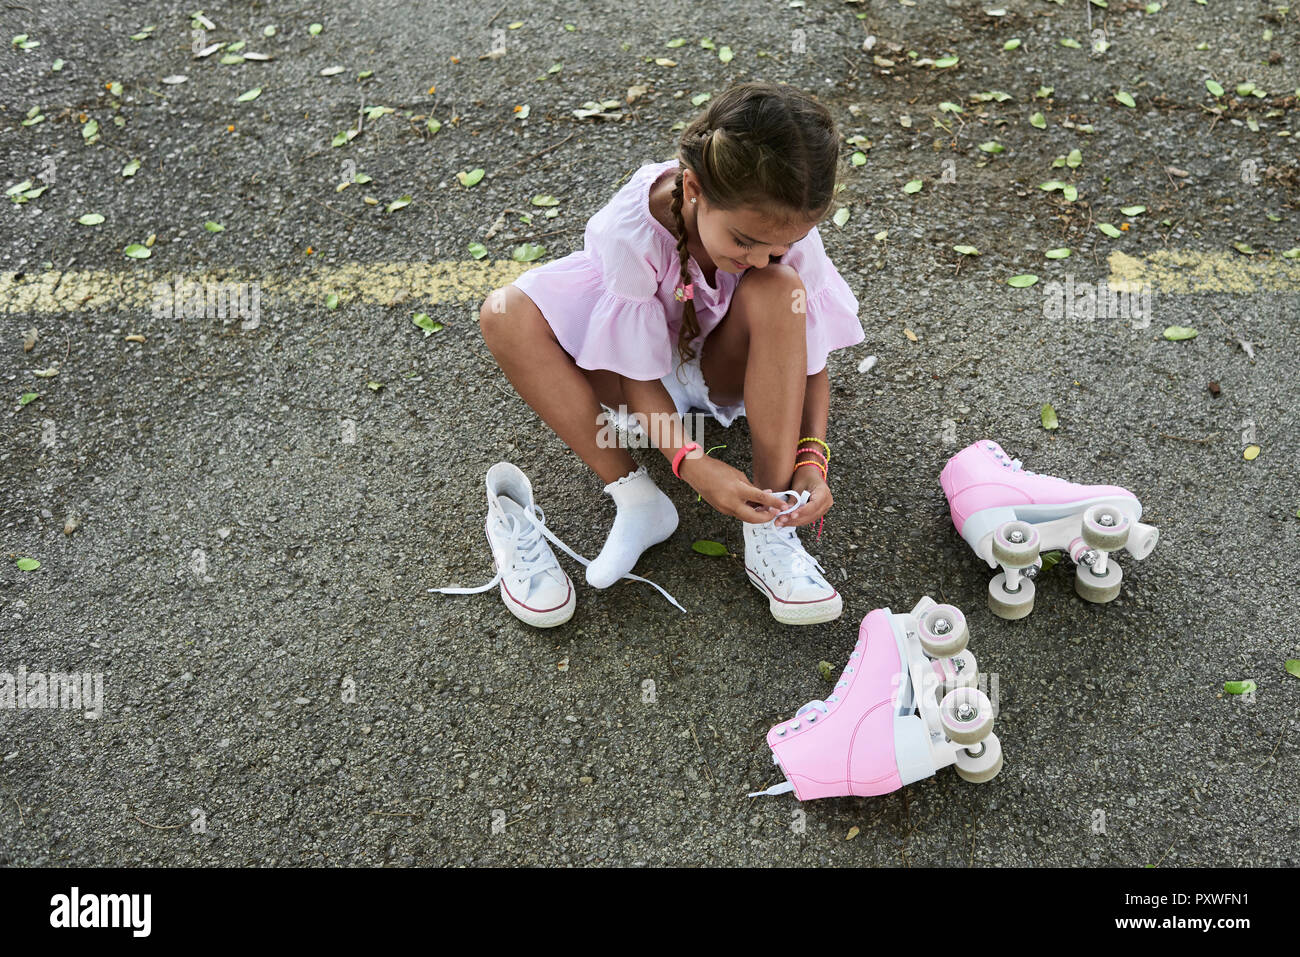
942, 631
1105, 528
1098, 588
966, 672
1010, 605
1015, 544
984, 764
1142, 540
966, 715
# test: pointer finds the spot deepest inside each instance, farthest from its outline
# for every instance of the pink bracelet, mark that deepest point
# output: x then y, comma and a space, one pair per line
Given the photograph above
681, 454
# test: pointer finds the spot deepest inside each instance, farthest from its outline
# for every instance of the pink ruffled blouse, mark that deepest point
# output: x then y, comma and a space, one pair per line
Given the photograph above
611, 303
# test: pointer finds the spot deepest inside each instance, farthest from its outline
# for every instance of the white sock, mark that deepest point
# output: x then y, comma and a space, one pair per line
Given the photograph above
646, 516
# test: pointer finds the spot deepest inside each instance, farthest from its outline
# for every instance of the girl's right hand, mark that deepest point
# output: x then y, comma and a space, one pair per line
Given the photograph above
729, 490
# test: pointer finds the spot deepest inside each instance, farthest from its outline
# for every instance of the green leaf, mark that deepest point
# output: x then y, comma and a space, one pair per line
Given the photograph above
1070, 42
1245, 89
91, 219
1048, 415
1246, 249
841, 216
249, 95
724, 54
374, 386
1038, 121
470, 178
400, 203
332, 301
1179, 333
1061, 252
1023, 281
706, 547
1293, 253
477, 250
1050, 560
230, 59
912, 186
131, 168
269, 32
1214, 88
57, 65
676, 42
992, 146
1051, 185
315, 29
967, 250
527, 252
1043, 92
1125, 98
1132, 210
213, 227
28, 397
429, 326
361, 178
1109, 230
1074, 159
1238, 687
1070, 193
236, 47
1011, 45
945, 61
137, 251
947, 106
365, 74
1293, 667
27, 564
858, 158
89, 130
545, 199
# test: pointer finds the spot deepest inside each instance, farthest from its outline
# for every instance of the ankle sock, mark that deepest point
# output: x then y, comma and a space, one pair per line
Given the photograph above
646, 516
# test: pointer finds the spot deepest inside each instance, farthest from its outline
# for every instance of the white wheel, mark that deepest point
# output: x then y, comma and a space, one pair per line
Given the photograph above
1142, 540
1015, 544
980, 762
1098, 588
942, 631
966, 715
963, 669
1105, 528
1010, 604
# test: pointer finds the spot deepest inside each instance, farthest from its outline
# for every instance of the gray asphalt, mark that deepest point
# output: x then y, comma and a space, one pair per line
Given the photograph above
251, 577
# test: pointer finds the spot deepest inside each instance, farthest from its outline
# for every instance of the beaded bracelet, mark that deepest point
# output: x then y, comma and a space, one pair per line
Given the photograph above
825, 460
813, 438
817, 464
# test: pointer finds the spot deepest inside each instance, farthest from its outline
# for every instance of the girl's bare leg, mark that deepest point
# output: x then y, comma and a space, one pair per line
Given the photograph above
547, 378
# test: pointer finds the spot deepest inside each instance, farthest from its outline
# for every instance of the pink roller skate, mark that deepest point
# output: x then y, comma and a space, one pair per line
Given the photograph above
1009, 515
904, 707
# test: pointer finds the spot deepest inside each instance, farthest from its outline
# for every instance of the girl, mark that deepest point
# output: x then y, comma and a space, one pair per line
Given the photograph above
716, 250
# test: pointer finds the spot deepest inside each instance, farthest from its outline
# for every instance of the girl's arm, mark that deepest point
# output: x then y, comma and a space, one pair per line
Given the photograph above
816, 405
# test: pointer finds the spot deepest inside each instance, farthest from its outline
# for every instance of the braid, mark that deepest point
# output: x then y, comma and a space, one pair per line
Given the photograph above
690, 323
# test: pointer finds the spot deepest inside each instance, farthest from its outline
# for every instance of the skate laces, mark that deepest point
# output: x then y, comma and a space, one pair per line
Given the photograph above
1014, 464
521, 532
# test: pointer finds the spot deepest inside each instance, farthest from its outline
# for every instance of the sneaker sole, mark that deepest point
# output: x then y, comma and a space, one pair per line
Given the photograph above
800, 613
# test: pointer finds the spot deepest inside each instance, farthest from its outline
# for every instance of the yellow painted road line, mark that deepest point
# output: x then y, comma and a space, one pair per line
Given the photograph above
469, 282
1183, 271
385, 284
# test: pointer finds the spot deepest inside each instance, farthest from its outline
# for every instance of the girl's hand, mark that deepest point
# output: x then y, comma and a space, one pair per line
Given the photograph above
730, 491
819, 498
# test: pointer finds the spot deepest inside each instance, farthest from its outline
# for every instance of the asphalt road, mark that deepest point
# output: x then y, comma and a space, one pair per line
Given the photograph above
257, 523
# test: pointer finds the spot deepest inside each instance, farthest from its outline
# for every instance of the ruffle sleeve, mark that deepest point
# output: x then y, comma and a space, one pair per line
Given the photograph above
832, 308
627, 330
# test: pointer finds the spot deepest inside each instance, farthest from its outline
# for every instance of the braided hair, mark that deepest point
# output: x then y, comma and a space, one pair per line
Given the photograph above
760, 146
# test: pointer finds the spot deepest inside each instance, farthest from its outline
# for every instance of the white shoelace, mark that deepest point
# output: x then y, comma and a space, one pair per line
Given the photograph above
522, 535
791, 549
1013, 464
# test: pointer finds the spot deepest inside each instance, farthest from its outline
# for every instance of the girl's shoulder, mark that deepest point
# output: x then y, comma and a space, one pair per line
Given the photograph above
627, 217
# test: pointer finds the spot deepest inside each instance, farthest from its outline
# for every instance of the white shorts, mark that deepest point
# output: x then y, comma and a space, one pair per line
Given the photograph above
695, 394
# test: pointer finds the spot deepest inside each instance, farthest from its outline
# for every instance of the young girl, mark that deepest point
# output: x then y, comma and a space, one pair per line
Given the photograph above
716, 251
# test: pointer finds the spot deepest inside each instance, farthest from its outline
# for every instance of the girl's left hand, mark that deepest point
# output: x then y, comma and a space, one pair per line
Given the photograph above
819, 498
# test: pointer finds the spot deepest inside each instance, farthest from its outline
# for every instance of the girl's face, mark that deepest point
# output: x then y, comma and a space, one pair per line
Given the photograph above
737, 240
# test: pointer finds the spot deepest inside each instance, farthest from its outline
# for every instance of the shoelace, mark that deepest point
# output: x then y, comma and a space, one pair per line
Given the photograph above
522, 535
788, 538
1013, 464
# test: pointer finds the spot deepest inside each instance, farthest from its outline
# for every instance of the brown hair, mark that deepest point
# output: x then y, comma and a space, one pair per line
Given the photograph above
762, 146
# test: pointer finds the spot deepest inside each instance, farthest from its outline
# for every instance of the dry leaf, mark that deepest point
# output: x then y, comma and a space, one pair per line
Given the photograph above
853, 832
135, 338
910, 334
29, 341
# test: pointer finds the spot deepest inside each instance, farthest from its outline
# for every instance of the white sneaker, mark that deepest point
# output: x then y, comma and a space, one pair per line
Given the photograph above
533, 585
791, 579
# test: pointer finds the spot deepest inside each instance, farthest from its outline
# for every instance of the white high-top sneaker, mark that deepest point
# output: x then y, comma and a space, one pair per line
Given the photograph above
788, 576
533, 585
